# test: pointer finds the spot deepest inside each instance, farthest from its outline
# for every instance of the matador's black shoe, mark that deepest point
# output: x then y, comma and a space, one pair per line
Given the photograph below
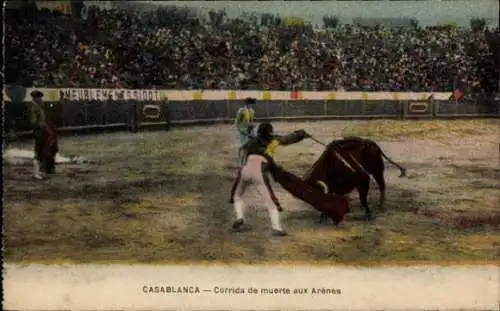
238, 224
279, 233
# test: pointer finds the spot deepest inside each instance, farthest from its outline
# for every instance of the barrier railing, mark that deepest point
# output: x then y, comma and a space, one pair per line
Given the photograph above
86, 109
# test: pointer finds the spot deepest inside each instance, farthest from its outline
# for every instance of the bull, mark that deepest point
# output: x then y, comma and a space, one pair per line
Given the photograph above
350, 163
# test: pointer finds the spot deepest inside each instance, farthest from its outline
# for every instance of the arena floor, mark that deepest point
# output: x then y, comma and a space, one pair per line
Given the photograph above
162, 197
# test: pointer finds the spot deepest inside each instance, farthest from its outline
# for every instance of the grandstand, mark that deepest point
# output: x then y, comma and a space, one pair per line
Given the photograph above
71, 45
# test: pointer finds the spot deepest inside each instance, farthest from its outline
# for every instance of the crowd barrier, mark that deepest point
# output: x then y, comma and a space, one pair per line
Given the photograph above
74, 109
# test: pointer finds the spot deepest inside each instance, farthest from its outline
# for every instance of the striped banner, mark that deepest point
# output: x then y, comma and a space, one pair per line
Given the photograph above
331, 96
296, 95
197, 96
51, 94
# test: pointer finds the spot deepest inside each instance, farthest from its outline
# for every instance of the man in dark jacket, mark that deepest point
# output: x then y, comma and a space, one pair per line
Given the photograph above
38, 123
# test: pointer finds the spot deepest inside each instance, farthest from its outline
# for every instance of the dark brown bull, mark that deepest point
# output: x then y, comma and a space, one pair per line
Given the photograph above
347, 164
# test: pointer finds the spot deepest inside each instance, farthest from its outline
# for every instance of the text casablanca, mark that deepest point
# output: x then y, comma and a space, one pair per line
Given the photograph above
168, 289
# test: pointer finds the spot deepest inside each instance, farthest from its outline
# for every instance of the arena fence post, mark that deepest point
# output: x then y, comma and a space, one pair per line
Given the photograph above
266, 104
284, 109
405, 109
228, 109
498, 106
62, 102
133, 117
104, 109
193, 113
85, 113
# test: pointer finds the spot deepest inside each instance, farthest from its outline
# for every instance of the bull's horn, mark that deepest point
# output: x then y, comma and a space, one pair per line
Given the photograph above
323, 186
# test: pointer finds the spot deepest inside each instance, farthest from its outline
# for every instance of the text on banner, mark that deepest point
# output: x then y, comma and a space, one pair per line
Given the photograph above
115, 94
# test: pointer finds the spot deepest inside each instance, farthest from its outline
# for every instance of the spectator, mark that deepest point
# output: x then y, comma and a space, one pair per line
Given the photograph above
170, 48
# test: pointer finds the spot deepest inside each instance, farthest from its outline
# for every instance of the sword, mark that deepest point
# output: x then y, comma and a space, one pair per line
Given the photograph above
318, 141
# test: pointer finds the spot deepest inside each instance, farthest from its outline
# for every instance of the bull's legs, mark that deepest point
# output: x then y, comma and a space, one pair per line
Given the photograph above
379, 178
322, 218
363, 190
320, 184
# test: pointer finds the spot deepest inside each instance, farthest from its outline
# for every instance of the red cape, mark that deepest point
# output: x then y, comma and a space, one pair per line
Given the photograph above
333, 205
52, 145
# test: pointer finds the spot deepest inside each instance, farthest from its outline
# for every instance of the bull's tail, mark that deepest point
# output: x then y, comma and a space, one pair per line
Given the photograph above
401, 169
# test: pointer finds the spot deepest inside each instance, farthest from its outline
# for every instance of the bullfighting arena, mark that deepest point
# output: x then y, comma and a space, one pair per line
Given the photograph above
157, 197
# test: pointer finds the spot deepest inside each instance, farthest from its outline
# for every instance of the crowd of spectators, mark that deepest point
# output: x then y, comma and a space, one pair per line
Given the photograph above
171, 48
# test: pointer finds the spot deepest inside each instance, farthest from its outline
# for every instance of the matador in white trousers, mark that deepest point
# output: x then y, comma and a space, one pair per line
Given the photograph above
256, 172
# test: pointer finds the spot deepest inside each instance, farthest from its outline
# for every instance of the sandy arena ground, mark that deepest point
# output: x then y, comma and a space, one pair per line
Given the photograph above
162, 197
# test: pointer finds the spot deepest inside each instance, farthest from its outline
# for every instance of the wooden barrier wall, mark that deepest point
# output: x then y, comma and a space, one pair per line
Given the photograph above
84, 108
